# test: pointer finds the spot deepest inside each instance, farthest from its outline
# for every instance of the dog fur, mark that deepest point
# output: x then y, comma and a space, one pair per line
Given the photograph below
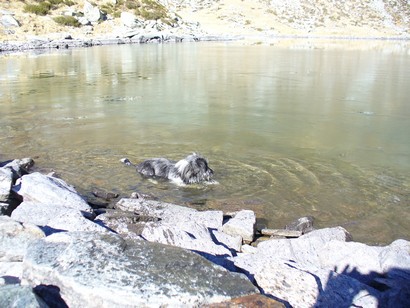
193, 169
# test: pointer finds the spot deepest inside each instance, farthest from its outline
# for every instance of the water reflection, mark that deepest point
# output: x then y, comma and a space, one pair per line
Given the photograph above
290, 130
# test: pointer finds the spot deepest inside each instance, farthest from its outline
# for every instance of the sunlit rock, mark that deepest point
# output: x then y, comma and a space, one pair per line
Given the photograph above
243, 224
19, 167
190, 235
15, 237
302, 285
91, 12
15, 295
130, 20
229, 241
49, 190
103, 270
6, 181
323, 269
179, 226
171, 213
9, 21
54, 218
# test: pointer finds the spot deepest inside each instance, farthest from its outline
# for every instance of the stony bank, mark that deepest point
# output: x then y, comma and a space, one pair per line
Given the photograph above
58, 250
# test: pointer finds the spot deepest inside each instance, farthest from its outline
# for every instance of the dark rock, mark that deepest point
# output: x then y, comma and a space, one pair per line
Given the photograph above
105, 195
303, 224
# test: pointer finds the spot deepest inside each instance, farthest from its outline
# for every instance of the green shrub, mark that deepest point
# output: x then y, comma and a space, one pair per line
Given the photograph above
39, 9
67, 21
152, 10
55, 2
69, 2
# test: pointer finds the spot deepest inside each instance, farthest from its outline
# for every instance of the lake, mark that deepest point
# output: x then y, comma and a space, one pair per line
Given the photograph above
290, 129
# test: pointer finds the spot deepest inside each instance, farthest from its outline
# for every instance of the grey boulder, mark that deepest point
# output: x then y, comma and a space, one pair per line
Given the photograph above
180, 226
20, 296
54, 218
242, 224
49, 190
323, 269
15, 237
103, 270
6, 181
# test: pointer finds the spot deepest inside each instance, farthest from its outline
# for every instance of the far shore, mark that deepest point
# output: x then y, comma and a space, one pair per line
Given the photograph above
36, 43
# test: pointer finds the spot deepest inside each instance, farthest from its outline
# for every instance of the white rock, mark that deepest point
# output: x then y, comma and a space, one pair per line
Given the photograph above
9, 21
232, 242
313, 287
130, 20
102, 270
395, 256
243, 224
171, 213
6, 181
54, 217
19, 166
15, 237
83, 21
191, 236
91, 13
322, 269
341, 256
48, 190
248, 249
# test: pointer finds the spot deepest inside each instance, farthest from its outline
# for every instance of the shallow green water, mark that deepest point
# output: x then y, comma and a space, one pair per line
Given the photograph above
301, 129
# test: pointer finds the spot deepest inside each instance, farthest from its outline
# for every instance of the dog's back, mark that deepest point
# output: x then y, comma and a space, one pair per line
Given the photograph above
159, 167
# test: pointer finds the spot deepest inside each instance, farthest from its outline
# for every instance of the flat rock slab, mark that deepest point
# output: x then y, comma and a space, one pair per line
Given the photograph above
54, 218
49, 190
171, 213
103, 270
180, 226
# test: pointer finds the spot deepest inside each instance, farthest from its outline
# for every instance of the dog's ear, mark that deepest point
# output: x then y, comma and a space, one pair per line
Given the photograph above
201, 163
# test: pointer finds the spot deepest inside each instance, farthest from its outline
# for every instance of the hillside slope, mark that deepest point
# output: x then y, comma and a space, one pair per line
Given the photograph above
249, 18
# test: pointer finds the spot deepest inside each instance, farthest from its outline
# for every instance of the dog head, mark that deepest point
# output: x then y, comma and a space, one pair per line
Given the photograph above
194, 169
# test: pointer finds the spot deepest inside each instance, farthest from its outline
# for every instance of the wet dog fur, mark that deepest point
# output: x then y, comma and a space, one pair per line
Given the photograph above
193, 169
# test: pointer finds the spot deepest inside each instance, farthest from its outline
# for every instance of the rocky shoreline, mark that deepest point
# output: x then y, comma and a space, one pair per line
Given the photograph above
69, 42
58, 250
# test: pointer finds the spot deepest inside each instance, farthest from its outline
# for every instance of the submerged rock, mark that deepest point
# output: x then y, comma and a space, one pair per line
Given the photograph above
103, 270
302, 224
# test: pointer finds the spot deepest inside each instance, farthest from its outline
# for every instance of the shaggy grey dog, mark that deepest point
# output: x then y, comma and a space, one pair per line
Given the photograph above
191, 170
